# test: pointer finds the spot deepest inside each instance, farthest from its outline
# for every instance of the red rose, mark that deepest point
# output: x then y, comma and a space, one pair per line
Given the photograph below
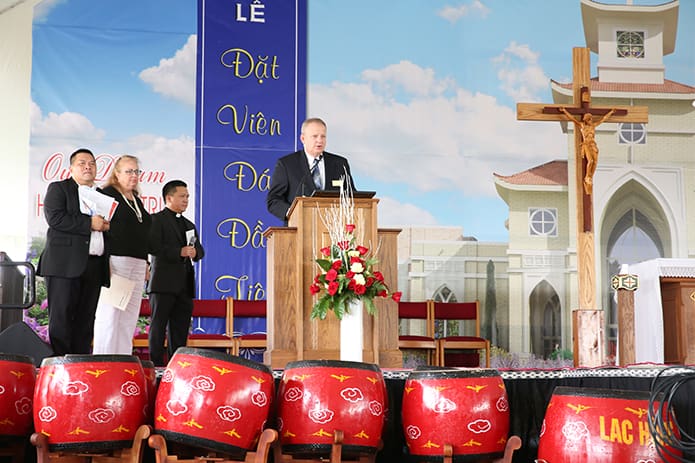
362, 250
360, 289
332, 288
369, 282
396, 296
350, 227
351, 285
355, 260
331, 275
344, 245
382, 293
337, 264
326, 251
349, 274
379, 276
314, 289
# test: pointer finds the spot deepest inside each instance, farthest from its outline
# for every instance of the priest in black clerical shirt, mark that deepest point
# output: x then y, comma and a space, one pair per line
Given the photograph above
174, 246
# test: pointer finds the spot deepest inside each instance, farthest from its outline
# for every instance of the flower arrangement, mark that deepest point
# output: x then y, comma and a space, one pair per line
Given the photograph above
37, 315
347, 269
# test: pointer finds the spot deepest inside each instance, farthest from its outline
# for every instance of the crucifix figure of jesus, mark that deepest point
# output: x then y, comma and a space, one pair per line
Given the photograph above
587, 337
588, 147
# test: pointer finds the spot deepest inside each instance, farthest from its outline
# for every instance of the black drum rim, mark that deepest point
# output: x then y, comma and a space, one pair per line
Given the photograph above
19, 358
456, 458
223, 357
90, 447
347, 364
453, 373
71, 359
308, 450
209, 444
600, 393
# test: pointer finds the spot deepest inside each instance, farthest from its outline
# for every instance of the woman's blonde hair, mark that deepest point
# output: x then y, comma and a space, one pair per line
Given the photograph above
113, 180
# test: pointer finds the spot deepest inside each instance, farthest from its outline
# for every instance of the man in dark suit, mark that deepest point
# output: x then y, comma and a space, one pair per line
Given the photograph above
174, 246
303, 172
75, 262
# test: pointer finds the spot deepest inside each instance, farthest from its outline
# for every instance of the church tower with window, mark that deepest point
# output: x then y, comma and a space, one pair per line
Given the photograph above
644, 185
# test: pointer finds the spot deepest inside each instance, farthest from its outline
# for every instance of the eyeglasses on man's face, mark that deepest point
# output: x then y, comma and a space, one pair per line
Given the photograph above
132, 172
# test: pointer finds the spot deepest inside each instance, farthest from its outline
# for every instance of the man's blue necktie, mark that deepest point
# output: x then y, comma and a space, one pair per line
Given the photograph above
316, 173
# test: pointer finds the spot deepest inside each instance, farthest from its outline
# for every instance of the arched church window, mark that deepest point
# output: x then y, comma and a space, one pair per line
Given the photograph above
444, 294
630, 44
442, 327
632, 134
633, 239
542, 221
545, 319
551, 331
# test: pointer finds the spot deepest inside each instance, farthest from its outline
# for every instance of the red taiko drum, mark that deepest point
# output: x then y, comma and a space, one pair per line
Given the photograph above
318, 397
213, 400
467, 409
585, 425
17, 378
90, 403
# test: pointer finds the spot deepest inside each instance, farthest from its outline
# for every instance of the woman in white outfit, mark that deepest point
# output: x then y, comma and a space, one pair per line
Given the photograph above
114, 326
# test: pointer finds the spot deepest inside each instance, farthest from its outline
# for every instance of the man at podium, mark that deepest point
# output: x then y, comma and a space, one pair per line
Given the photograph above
306, 171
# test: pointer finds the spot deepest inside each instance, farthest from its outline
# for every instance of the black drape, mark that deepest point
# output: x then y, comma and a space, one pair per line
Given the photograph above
528, 399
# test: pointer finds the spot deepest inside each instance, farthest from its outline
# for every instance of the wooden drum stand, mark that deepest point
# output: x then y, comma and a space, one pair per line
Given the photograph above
129, 455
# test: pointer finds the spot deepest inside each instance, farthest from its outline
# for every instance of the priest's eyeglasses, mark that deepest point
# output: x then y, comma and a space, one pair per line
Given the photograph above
132, 172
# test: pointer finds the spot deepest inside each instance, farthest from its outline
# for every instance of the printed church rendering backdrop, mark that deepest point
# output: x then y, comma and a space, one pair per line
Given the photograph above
420, 96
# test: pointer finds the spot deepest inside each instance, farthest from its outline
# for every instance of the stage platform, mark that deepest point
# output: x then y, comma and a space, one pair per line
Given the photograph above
529, 392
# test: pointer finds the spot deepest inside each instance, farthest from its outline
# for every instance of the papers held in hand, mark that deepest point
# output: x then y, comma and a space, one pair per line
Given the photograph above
190, 237
94, 203
119, 293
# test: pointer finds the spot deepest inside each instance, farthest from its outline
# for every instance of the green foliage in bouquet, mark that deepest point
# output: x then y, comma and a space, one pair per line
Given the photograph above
347, 274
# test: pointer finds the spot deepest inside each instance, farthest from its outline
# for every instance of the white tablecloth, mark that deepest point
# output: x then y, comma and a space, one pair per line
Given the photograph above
649, 322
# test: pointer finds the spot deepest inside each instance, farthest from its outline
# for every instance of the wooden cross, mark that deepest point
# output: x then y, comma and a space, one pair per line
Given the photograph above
581, 85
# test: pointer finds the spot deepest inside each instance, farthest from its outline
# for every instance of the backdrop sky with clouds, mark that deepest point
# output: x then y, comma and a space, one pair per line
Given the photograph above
419, 95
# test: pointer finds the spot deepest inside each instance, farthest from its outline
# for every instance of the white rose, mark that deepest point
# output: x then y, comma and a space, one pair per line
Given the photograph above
357, 267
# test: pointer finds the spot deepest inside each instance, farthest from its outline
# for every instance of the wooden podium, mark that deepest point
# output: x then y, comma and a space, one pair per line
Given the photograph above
291, 267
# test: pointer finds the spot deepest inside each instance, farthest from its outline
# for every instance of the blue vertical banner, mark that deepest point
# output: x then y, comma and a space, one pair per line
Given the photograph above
250, 103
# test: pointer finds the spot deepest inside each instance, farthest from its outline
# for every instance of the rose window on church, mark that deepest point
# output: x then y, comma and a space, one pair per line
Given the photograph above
632, 134
543, 221
630, 44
